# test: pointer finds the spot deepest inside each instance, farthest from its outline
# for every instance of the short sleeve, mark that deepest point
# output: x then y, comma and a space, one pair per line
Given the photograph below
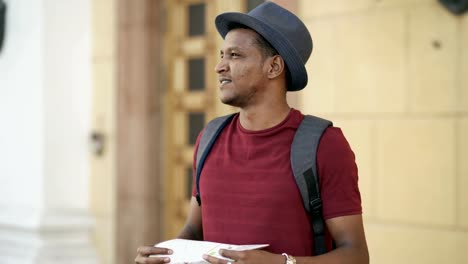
194, 179
338, 175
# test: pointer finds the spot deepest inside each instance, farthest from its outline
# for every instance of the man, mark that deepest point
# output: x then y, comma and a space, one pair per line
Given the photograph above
248, 192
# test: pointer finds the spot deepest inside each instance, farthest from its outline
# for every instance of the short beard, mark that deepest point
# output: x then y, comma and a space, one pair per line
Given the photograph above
240, 101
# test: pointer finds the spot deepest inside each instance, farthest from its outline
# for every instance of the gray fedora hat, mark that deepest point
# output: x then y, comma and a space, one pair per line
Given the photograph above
283, 30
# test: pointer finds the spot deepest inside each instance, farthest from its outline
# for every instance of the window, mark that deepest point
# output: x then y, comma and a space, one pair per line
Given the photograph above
196, 20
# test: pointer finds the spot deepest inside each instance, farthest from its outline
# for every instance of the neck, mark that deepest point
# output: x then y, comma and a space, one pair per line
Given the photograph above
260, 117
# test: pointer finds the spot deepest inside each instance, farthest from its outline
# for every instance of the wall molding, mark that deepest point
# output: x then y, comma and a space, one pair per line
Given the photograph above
30, 236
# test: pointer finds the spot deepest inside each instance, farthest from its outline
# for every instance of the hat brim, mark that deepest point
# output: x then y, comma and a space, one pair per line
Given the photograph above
296, 67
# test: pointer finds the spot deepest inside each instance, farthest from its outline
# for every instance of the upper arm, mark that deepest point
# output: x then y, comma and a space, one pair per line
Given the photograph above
341, 197
193, 225
194, 216
348, 232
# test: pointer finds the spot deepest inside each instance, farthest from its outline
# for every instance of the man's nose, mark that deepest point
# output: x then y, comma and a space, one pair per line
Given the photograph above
222, 66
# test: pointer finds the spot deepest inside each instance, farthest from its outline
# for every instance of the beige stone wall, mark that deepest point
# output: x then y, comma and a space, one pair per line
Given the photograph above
393, 75
102, 183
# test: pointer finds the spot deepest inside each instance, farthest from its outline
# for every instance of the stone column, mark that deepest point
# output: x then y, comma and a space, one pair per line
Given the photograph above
44, 124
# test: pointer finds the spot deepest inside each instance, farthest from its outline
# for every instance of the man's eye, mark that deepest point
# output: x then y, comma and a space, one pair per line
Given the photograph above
233, 54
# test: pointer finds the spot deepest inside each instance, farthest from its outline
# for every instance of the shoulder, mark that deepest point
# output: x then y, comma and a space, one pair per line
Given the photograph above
333, 141
215, 124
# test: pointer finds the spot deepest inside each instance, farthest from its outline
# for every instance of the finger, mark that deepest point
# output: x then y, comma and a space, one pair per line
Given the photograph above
146, 251
214, 260
151, 260
232, 254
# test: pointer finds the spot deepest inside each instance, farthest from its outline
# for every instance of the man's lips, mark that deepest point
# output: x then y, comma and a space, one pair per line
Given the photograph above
224, 81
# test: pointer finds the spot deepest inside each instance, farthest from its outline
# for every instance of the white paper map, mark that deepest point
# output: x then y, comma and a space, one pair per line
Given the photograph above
191, 251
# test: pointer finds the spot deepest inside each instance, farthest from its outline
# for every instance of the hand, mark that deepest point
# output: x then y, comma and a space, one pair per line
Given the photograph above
246, 257
144, 253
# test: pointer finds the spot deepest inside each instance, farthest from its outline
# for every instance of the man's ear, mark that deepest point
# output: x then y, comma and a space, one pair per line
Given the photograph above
276, 66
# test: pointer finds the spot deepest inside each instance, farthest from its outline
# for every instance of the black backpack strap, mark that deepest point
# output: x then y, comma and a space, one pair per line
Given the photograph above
210, 133
303, 163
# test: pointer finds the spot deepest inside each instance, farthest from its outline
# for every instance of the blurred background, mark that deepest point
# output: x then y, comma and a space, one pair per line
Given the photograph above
101, 102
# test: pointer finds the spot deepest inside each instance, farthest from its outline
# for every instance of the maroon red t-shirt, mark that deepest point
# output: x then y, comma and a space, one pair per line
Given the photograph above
248, 191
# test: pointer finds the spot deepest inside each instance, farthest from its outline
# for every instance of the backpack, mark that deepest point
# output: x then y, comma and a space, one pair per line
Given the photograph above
303, 163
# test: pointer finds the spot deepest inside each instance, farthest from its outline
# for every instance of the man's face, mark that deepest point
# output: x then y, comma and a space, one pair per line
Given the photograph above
241, 70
